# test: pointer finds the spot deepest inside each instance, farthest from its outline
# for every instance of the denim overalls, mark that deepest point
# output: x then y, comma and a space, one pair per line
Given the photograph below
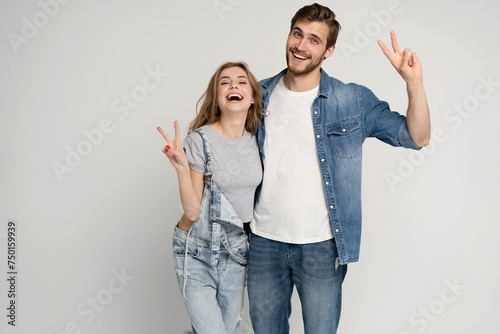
210, 261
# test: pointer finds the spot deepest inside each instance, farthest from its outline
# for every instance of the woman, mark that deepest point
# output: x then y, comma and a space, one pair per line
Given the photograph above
218, 173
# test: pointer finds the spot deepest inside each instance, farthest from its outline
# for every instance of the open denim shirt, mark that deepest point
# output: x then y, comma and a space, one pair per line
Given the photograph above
344, 115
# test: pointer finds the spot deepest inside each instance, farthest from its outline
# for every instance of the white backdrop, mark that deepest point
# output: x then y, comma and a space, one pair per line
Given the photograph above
91, 201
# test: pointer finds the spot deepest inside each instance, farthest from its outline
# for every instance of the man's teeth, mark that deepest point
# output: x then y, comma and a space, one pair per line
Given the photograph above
299, 56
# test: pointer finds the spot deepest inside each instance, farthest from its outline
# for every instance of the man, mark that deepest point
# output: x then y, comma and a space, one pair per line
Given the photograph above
307, 221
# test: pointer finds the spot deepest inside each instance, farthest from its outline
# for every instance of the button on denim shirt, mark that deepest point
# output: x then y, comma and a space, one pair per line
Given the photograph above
344, 115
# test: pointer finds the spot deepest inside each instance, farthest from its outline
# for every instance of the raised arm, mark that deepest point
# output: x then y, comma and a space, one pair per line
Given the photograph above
410, 69
190, 182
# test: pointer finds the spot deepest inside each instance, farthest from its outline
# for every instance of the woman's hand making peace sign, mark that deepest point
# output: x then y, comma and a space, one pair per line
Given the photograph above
174, 150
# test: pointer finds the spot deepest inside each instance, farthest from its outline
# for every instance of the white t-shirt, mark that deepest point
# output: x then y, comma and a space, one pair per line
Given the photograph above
292, 206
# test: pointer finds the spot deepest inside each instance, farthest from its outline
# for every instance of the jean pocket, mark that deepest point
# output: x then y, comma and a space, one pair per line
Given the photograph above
345, 136
240, 252
180, 249
243, 251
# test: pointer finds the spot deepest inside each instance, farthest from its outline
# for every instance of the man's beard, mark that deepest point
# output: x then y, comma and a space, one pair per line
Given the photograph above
308, 69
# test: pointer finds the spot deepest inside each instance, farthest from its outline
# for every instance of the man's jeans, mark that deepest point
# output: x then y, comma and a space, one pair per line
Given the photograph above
274, 268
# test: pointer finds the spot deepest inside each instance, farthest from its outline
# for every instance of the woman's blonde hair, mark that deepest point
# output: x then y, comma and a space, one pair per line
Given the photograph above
208, 111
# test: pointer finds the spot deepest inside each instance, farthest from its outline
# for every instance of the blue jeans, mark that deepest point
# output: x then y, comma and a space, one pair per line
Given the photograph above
274, 268
213, 292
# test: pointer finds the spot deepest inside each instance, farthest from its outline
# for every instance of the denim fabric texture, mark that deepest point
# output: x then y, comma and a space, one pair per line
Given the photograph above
344, 115
210, 262
274, 268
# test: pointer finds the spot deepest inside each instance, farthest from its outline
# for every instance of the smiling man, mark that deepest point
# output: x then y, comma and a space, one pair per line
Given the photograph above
307, 219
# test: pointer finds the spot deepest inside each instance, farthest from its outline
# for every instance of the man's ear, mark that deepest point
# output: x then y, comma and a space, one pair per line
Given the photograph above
329, 52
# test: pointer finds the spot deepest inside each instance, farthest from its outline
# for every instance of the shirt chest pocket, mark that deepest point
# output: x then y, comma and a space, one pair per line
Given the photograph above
345, 136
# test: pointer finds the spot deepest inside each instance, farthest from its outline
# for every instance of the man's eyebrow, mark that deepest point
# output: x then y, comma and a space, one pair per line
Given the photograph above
313, 35
317, 37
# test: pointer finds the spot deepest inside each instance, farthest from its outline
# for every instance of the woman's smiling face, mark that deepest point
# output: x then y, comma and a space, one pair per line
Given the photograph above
234, 90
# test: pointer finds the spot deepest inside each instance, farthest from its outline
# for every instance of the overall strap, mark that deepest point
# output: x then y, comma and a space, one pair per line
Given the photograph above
216, 228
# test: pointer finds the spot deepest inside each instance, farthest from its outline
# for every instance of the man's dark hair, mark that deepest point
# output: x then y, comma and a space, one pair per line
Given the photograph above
319, 13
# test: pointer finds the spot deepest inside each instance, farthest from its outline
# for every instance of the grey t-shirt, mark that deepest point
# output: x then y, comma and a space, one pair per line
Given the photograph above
236, 166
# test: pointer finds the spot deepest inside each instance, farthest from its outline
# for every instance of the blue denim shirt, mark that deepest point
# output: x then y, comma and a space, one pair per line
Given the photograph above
344, 115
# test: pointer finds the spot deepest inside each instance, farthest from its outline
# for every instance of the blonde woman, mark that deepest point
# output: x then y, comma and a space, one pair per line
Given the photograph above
218, 171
